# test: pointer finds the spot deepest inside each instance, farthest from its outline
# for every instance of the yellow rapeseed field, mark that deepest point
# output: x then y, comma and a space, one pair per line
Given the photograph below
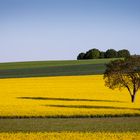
71, 95
71, 136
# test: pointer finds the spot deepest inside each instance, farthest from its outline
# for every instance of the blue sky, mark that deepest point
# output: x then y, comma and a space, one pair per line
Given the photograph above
60, 29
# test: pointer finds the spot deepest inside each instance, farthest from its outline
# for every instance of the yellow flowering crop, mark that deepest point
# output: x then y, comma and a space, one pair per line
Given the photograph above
71, 136
71, 95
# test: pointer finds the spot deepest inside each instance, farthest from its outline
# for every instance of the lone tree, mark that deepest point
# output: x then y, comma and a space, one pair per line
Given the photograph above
124, 74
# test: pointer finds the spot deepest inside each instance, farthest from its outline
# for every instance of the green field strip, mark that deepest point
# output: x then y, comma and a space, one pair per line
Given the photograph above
53, 68
120, 124
37, 64
87, 69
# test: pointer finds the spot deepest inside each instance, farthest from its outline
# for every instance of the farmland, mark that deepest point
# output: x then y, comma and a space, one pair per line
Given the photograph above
82, 96
69, 136
66, 105
107, 124
52, 68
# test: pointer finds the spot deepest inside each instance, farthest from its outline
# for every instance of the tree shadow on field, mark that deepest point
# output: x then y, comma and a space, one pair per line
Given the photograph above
91, 107
67, 99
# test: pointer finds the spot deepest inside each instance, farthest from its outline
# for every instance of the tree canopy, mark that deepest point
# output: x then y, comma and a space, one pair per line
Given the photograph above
124, 74
123, 53
111, 53
92, 54
97, 54
81, 56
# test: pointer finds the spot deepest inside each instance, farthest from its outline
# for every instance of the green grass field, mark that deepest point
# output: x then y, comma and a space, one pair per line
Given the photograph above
119, 124
53, 68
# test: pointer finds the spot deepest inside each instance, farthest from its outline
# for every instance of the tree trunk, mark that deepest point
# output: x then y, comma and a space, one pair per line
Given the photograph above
133, 98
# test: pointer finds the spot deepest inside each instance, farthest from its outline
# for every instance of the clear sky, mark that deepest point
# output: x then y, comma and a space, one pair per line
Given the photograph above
60, 29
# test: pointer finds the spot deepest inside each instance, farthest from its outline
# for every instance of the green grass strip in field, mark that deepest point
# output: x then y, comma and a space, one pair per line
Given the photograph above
52, 68
119, 124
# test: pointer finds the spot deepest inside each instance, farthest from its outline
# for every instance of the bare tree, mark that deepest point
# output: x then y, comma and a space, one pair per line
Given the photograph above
124, 74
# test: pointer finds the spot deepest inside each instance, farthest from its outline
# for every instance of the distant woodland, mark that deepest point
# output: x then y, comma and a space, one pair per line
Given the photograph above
110, 53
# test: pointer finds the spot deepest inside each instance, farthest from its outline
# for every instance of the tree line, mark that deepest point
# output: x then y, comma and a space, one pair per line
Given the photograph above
97, 54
